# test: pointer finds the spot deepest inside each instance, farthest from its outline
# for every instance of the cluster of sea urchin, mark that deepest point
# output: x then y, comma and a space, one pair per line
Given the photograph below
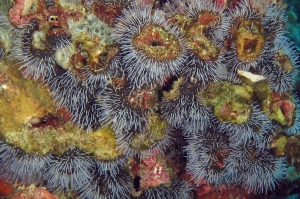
221, 75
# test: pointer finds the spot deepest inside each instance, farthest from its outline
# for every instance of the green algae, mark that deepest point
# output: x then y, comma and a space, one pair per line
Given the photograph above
230, 101
218, 92
280, 108
156, 131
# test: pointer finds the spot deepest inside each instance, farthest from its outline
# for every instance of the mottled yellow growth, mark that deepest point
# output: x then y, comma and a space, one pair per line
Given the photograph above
279, 107
250, 40
20, 100
156, 131
231, 102
175, 91
74, 8
157, 127
157, 43
274, 114
279, 145
182, 22
218, 92
93, 52
283, 61
30, 6
101, 144
205, 48
232, 111
262, 90
198, 42
43, 140
140, 142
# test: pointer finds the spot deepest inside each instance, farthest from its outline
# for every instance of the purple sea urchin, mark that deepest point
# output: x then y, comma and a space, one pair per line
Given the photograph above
35, 57
68, 84
58, 35
205, 26
251, 46
69, 172
103, 74
79, 101
127, 142
117, 110
94, 52
156, 136
211, 20
285, 47
2, 51
203, 71
84, 116
4, 21
19, 167
259, 171
274, 18
182, 107
177, 189
249, 129
206, 153
175, 6
152, 48
281, 73
124, 110
111, 167
105, 186
280, 81
267, 135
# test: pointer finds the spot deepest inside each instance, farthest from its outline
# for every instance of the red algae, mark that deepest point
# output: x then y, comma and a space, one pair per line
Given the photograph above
5, 188
208, 191
280, 107
34, 193
144, 99
106, 13
152, 171
16, 13
207, 19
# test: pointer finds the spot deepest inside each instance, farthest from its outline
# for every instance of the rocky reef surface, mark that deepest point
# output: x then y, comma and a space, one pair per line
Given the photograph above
148, 99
